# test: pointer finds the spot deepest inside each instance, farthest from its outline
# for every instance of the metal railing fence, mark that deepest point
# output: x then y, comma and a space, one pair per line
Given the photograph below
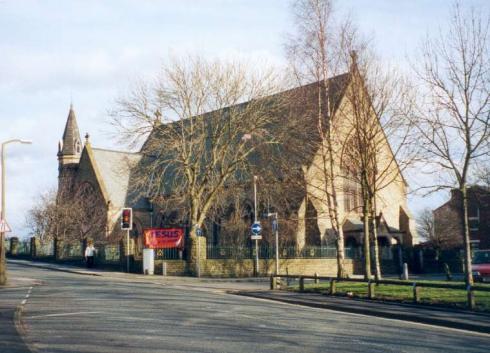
268, 252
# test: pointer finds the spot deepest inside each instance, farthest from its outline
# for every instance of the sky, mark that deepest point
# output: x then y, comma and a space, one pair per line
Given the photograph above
53, 53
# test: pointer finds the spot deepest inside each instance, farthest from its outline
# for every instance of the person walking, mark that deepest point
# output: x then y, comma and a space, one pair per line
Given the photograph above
90, 254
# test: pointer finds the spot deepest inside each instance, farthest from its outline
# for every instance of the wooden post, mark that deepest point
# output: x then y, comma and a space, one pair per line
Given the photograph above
317, 280
301, 284
273, 283
471, 297
332, 286
371, 285
416, 293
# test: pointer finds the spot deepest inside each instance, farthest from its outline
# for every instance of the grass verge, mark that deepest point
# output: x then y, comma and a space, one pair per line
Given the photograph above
403, 293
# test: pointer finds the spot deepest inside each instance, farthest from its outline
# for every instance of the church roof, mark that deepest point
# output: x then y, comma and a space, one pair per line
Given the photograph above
114, 169
71, 135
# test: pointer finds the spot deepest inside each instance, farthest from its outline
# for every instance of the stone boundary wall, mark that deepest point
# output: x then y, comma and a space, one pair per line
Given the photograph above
245, 267
208, 267
174, 267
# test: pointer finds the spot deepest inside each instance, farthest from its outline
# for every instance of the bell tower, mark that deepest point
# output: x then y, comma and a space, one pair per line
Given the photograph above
69, 152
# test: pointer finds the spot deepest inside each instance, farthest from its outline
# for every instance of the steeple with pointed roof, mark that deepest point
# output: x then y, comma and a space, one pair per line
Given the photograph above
70, 147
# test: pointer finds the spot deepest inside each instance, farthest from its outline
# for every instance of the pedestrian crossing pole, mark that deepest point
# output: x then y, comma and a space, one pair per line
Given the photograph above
127, 251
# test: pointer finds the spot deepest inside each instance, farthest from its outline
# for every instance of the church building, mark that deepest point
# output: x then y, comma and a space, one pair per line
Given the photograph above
104, 177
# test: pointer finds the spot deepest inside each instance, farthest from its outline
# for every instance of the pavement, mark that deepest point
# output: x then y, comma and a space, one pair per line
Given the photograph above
69, 312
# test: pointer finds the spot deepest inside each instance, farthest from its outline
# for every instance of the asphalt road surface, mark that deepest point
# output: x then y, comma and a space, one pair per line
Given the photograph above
67, 312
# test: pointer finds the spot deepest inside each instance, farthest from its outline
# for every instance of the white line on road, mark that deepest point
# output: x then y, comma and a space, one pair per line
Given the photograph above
64, 314
23, 302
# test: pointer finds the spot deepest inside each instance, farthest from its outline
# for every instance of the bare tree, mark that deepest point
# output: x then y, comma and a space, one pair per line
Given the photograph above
87, 214
425, 224
439, 239
206, 119
455, 116
379, 142
483, 175
42, 216
68, 217
313, 53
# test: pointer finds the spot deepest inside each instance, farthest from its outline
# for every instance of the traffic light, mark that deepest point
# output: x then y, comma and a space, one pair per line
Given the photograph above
127, 219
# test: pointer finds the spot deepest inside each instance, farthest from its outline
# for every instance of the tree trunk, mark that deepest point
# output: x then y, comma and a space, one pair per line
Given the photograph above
367, 253
340, 254
377, 266
466, 236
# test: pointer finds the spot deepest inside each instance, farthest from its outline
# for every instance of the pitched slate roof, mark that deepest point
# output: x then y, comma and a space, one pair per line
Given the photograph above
114, 169
71, 135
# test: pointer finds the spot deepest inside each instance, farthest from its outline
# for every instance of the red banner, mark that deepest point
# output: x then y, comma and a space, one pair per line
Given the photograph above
164, 238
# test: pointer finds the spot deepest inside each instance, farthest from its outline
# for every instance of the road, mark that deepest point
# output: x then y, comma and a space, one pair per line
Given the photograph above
66, 312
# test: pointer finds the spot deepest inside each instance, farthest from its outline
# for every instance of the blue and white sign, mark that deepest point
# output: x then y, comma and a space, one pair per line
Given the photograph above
256, 228
199, 232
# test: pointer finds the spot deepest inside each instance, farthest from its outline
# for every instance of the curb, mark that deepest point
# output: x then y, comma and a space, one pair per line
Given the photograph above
57, 269
369, 312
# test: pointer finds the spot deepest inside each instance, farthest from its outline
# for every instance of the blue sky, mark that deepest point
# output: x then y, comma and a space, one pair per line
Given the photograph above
88, 52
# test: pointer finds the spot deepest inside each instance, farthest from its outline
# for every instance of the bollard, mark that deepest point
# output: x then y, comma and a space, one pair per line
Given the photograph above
332, 287
405, 272
287, 278
273, 283
317, 280
416, 293
371, 289
301, 284
471, 297
164, 268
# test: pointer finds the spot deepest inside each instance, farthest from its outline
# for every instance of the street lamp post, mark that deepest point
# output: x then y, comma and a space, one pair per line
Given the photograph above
3, 266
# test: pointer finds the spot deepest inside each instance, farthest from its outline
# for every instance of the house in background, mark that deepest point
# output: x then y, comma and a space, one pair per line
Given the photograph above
448, 218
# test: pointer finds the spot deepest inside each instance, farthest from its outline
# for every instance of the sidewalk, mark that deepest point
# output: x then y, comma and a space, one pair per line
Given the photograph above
57, 267
447, 317
222, 284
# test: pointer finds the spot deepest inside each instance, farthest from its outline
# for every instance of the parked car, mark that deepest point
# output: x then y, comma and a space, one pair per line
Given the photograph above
481, 265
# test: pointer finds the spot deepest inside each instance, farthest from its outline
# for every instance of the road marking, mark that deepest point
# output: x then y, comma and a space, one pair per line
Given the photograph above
64, 314
23, 302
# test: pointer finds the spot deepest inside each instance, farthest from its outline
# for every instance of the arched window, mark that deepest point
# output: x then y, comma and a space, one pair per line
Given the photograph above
78, 146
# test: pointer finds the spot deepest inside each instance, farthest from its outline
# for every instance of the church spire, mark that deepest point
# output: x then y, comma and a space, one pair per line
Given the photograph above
70, 146
71, 142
